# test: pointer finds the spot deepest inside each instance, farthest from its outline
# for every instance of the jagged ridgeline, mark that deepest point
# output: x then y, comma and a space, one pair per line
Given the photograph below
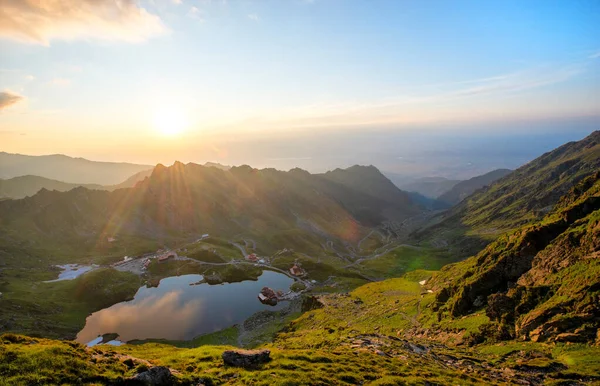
181, 202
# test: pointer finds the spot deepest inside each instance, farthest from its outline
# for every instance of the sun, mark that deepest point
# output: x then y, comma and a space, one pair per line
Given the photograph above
170, 122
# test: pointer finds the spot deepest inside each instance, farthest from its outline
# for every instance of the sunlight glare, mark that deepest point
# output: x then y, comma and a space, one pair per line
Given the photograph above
170, 121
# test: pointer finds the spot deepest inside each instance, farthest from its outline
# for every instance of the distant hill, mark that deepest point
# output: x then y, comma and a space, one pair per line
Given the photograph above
463, 189
20, 187
431, 187
183, 201
370, 195
67, 169
524, 195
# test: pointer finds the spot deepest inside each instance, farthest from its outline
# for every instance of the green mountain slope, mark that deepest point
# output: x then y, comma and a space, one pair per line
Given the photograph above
182, 202
541, 282
525, 195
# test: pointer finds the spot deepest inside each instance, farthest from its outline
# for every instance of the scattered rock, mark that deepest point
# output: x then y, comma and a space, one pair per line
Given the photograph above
246, 358
570, 337
156, 376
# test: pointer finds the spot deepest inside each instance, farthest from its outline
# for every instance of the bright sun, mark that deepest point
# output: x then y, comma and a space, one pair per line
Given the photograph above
170, 121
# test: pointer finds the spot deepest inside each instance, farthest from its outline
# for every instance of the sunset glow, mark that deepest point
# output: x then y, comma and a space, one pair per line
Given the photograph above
170, 122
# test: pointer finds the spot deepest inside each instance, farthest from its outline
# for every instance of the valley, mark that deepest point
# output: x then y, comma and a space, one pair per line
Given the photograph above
363, 279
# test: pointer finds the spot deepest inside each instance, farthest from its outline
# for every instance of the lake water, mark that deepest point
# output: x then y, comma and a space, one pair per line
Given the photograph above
72, 271
176, 310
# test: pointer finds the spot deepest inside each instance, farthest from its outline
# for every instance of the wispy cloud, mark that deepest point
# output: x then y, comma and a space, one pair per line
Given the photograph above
253, 17
595, 55
40, 21
8, 99
468, 99
196, 13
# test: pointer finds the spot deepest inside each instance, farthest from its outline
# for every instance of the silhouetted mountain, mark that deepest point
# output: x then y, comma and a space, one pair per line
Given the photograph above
463, 189
187, 200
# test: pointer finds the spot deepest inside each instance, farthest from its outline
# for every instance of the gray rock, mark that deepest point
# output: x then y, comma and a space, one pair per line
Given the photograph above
246, 358
156, 376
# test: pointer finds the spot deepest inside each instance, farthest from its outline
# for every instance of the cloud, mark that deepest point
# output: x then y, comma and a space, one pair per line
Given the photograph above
195, 13
253, 16
40, 21
8, 99
595, 56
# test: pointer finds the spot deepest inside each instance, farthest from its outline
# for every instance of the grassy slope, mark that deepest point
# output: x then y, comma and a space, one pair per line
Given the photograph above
554, 267
59, 309
322, 347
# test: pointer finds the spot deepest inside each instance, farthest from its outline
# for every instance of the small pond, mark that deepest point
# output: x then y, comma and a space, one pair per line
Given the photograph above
72, 271
176, 310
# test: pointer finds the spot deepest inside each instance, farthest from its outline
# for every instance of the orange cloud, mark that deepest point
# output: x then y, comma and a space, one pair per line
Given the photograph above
8, 99
39, 21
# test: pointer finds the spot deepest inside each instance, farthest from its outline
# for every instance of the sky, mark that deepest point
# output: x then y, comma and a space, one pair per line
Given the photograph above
264, 81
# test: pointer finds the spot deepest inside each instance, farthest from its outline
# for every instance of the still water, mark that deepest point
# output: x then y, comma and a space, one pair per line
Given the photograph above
176, 310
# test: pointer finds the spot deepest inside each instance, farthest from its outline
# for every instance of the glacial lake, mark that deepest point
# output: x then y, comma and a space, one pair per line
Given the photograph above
176, 310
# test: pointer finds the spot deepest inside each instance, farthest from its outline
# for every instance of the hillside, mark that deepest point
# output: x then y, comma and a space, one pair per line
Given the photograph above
463, 189
67, 169
525, 195
181, 202
541, 282
487, 320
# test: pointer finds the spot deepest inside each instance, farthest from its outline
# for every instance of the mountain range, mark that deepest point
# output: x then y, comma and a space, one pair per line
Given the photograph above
186, 201
518, 304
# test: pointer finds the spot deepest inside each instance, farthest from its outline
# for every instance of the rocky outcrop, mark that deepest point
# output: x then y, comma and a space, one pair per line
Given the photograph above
156, 376
246, 358
311, 303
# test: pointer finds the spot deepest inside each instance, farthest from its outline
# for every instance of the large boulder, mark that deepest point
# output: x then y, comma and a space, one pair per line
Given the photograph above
156, 376
246, 358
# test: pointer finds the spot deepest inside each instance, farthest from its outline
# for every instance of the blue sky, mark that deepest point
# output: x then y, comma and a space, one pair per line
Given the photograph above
97, 76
